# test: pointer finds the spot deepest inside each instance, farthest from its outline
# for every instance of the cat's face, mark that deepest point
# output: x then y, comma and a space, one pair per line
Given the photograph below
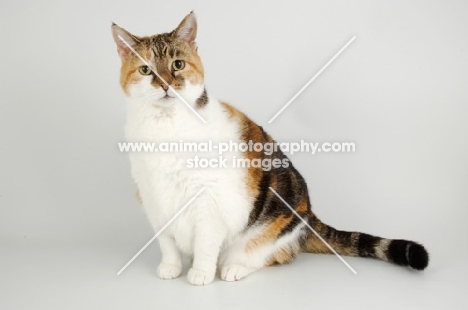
172, 55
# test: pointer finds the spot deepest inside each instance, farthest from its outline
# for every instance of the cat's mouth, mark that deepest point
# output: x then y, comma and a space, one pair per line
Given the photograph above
166, 97
164, 101
169, 95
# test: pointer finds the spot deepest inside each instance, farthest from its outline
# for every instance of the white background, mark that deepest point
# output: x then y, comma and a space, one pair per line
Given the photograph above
68, 217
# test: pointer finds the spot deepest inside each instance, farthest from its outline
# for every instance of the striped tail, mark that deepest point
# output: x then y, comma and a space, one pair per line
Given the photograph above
401, 252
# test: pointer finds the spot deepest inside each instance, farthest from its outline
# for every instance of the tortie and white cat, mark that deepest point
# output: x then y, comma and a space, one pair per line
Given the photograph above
237, 222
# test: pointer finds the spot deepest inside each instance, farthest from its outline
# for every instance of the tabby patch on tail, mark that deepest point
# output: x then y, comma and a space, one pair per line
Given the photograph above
237, 225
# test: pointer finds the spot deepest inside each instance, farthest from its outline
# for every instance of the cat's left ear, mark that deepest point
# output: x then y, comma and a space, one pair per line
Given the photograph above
187, 30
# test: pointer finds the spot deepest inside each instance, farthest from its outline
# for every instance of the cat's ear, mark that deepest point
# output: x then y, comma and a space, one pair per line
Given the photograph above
187, 30
120, 34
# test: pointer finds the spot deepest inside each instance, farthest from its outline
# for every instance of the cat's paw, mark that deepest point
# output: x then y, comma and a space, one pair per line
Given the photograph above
168, 271
200, 277
235, 272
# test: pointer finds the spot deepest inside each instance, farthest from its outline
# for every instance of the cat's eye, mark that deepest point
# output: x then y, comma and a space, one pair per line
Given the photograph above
145, 70
178, 65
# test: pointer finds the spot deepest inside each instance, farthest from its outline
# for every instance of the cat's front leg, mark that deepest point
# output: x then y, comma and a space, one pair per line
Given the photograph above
171, 264
209, 238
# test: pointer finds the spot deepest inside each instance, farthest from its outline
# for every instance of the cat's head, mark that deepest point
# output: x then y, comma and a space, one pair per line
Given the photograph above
172, 55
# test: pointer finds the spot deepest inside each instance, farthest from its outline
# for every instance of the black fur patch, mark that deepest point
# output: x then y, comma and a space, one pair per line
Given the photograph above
366, 245
418, 256
397, 252
202, 100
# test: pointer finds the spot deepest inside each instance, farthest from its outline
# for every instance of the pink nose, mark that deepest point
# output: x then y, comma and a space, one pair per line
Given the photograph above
164, 86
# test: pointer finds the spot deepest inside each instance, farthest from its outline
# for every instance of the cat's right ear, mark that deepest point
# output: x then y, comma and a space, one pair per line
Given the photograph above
122, 36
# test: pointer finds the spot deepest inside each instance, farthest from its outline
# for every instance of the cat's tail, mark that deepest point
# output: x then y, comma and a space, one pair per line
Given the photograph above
401, 252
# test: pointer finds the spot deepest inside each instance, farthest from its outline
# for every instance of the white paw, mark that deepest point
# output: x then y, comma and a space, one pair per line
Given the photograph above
200, 277
168, 271
235, 272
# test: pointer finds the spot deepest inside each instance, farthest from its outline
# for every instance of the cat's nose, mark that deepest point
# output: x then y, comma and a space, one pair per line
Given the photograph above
164, 86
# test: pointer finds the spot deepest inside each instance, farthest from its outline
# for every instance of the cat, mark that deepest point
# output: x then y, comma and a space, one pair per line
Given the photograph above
237, 224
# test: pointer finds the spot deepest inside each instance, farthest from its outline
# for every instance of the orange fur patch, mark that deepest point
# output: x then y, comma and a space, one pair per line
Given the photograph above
270, 233
195, 73
315, 245
249, 132
302, 208
283, 256
254, 134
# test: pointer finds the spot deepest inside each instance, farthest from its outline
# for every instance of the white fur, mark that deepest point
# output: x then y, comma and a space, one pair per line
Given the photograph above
381, 249
166, 184
215, 221
236, 262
